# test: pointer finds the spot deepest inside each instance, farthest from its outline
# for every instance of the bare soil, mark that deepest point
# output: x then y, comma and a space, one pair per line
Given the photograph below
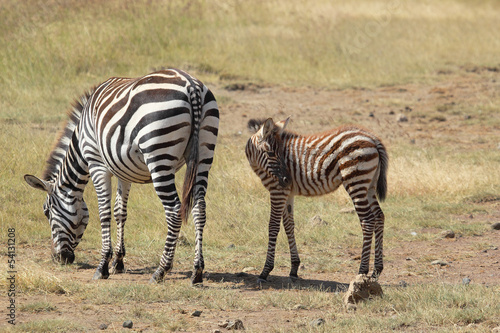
436, 116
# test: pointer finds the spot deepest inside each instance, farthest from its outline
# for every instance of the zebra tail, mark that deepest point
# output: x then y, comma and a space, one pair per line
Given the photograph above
383, 166
192, 155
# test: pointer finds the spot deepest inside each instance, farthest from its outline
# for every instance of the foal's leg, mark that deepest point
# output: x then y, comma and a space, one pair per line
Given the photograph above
289, 226
278, 201
379, 232
359, 196
120, 212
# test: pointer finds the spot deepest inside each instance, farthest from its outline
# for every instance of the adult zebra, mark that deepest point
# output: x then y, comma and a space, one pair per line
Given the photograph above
140, 130
290, 164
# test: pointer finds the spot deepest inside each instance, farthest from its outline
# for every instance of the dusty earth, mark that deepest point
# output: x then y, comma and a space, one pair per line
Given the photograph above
435, 115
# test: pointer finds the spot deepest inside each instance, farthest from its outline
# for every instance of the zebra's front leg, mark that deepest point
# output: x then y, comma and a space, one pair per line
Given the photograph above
289, 226
120, 212
277, 206
102, 184
199, 217
172, 212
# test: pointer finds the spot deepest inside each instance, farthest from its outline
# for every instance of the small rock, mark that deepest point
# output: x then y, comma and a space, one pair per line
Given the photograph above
217, 331
351, 307
371, 114
401, 118
361, 288
440, 263
466, 281
495, 226
249, 269
403, 284
128, 324
103, 327
347, 210
299, 307
413, 233
317, 322
317, 220
196, 313
448, 234
233, 325
231, 246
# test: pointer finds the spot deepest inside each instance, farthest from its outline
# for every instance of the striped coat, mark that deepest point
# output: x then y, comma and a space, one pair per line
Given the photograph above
291, 164
141, 130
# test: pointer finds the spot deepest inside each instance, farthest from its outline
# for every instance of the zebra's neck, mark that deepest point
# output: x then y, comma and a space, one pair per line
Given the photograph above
73, 175
65, 165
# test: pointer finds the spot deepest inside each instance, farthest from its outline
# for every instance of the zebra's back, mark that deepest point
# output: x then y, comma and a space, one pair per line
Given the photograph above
320, 163
134, 122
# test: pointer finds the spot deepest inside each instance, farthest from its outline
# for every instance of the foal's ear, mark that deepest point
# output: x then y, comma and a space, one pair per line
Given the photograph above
267, 128
37, 183
282, 125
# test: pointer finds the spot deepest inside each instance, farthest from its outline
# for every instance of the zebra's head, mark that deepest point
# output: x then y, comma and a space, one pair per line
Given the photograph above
265, 151
68, 217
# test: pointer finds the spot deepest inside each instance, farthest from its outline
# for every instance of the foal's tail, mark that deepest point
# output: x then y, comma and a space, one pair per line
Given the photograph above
383, 165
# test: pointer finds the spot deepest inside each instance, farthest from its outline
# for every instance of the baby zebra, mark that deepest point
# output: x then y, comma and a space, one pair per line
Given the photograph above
291, 164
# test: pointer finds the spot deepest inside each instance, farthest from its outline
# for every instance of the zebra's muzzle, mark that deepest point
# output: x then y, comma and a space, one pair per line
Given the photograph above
64, 257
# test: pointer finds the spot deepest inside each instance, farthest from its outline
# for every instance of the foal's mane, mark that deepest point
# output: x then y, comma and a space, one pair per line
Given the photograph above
56, 157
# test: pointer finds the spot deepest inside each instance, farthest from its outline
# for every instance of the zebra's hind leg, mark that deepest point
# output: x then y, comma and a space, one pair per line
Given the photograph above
102, 184
199, 217
367, 221
172, 211
278, 201
379, 234
120, 212
289, 226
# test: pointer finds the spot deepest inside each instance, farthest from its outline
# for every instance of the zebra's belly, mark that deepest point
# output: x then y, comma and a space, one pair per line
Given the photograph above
316, 188
130, 167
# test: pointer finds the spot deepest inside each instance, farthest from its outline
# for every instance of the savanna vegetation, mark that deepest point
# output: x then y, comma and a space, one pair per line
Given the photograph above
444, 162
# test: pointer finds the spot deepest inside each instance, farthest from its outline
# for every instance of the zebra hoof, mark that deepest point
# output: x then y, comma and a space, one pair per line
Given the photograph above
117, 267
197, 277
157, 276
294, 278
98, 275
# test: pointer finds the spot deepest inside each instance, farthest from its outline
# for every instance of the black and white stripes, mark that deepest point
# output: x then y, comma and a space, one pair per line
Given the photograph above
140, 130
290, 164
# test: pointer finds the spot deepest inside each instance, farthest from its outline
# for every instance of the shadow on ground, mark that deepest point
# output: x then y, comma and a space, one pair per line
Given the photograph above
250, 281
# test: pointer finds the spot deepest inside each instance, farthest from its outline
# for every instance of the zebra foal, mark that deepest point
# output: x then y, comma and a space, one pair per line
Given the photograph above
290, 164
141, 130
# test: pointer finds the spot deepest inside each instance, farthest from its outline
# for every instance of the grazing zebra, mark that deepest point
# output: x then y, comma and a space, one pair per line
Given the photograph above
140, 130
290, 164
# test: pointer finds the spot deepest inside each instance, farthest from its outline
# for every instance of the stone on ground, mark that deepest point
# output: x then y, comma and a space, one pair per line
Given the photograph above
362, 288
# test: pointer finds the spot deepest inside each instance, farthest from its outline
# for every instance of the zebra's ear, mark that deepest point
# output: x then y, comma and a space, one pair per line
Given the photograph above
37, 183
282, 124
267, 128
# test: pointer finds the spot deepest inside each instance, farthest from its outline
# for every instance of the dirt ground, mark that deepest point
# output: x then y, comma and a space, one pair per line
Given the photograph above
435, 114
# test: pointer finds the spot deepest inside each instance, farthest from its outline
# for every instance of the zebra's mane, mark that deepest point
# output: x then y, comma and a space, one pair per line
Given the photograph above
58, 153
